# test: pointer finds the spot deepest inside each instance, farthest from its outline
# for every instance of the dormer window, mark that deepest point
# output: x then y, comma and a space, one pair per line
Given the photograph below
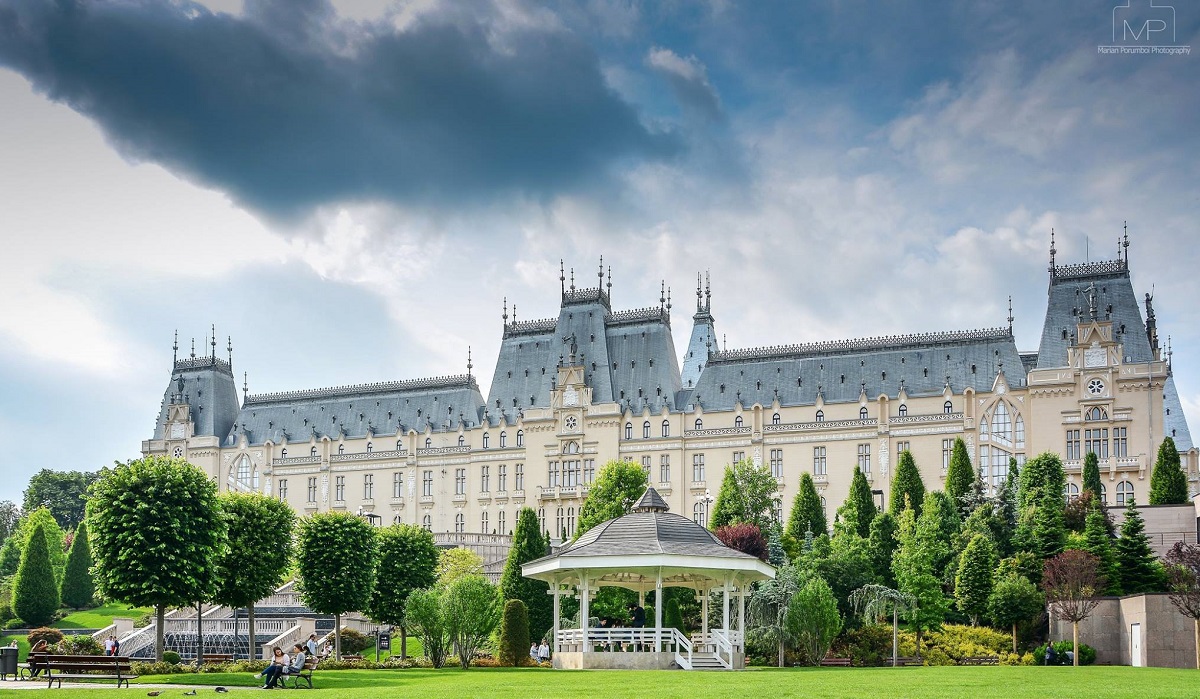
903, 410
862, 413
737, 421
820, 416
699, 424
775, 419
947, 407
341, 449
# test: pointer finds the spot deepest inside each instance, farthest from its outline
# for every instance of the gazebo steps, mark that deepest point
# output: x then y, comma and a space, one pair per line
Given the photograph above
706, 662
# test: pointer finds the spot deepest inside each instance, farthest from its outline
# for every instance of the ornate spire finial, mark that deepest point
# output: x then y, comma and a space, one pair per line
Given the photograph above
245, 386
504, 315
668, 299
724, 342
1053, 250
470, 366
609, 284
229, 348
1010, 315
572, 279
213, 352
175, 348
562, 278
601, 272
662, 293
699, 294
707, 294
1091, 291
193, 348
1169, 353
1125, 244
514, 314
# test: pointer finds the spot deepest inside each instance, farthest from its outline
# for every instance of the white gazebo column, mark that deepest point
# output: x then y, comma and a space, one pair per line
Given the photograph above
555, 622
725, 605
741, 614
584, 598
704, 595
658, 612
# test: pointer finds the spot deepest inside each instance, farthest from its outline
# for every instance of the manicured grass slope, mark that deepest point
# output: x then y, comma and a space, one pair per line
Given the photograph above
867, 683
100, 617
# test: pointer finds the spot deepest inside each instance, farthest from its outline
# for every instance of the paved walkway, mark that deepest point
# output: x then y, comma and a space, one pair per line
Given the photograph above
168, 690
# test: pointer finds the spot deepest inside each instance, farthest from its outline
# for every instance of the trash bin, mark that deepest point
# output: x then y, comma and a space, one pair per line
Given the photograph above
8, 662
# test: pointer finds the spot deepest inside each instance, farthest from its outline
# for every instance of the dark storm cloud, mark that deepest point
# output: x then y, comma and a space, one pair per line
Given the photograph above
288, 107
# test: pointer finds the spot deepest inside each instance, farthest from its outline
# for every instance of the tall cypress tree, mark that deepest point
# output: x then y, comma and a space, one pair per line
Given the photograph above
882, 547
906, 481
859, 504
807, 513
1168, 482
1100, 544
1091, 476
78, 588
940, 525
973, 583
527, 545
35, 594
960, 478
1139, 568
1048, 532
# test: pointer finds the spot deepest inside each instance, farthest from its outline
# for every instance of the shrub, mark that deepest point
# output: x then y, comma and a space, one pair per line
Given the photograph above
50, 636
869, 645
514, 633
161, 668
354, 642
80, 644
15, 623
1087, 654
170, 656
35, 589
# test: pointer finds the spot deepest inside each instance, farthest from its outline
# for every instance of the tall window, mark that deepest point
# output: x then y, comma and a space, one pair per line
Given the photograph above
698, 467
629, 430
397, 484
947, 450
429, 442
368, 486
486, 440
399, 445
312, 490
1120, 442
243, 470
819, 463
1096, 442
664, 468
552, 474
427, 523
1073, 445
775, 419
739, 456
820, 416
462, 441
520, 438
460, 481
1002, 422
999, 467
777, 511
560, 525
862, 413
646, 466
503, 526
1124, 493
947, 407
1103, 495
483, 522
1072, 492
485, 479
502, 478
427, 483
503, 439
570, 520
283, 489
700, 513
341, 449
519, 477
542, 518
666, 428
777, 463
283, 453
570, 473
1020, 423
460, 523
370, 448
339, 488
864, 458
312, 451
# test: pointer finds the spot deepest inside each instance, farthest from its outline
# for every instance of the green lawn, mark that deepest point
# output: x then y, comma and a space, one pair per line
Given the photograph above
100, 617
867, 683
414, 649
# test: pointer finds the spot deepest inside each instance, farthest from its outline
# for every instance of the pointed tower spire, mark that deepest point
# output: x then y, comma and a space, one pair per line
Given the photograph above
193, 348
229, 348
1169, 353
504, 315
601, 273
514, 314
1053, 251
609, 287
699, 294
662, 293
245, 386
707, 294
175, 348
1125, 244
668, 299
470, 366
572, 279
562, 278
1010, 315
213, 351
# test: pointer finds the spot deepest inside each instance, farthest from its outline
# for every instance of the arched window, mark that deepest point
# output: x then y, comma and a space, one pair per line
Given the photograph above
397, 519
862, 413
984, 425
312, 451
1103, 495
427, 523
486, 439
460, 523
462, 440
629, 430
428, 442
737, 421
571, 448
646, 430
560, 526
1072, 492
666, 428
370, 447
254, 478
503, 439
824, 510
947, 407
283, 453
1096, 413
1124, 493
570, 520
1001, 422
775, 419
903, 410
341, 449
820, 416
700, 513
399, 445
699, 424
520, 438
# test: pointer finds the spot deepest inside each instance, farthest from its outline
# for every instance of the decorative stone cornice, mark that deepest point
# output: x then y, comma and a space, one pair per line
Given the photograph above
1089, 269
866, 344
434, 383
204, 363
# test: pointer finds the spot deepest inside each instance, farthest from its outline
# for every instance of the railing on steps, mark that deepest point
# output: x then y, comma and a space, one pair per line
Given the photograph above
283, 640
621, 640
105, 632
229, 626
683, 649
724, 648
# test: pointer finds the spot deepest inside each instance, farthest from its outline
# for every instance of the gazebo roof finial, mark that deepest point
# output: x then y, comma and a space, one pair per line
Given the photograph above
650, 501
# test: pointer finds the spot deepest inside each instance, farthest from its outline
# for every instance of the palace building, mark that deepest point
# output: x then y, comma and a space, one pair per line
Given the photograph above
596, 384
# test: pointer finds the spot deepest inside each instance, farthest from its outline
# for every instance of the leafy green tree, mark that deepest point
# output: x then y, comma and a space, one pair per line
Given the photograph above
1183, 570
1072, 581
10, 514
456, 563
260, 534
939, 526
769, 605
1042, 473
336, 558
157, 535
906, 482
408, 561
471, 608
846, 565
807, 513
1136, 561
748, 494
915, 573
813, 619
1047, 531
960, 478
78, 589
34, 592
859, 509
1100, 544
973, 583
514, 633
10, 555
1014, 599
528, 545
423, 614
63, 492
1091, 476
1168, 482
617, 487
882, 546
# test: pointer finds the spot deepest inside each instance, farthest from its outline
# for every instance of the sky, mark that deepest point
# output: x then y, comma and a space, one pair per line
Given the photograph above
351, 190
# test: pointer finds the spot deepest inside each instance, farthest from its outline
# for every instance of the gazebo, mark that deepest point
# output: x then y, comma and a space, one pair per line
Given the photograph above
650, 549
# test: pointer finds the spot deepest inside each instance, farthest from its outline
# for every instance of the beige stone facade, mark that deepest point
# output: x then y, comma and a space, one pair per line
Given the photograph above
473, 471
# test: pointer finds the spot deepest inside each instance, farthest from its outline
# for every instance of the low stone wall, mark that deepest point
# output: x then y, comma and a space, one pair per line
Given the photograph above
1168, 637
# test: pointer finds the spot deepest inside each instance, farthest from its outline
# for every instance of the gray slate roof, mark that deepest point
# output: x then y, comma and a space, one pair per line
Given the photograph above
1174, 421
650, 501
211, 391
1067, 304
649, 533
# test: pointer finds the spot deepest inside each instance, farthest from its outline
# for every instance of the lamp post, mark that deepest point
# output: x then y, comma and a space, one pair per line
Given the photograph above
707, 501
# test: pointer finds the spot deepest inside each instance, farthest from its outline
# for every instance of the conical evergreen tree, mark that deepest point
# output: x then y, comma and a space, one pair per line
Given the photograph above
859, 504
1168, 482
973, 583
882, 547
1005, 512
1100, 544
35, 593
1041, 473
1091, 476
940, 525
906, 481
1048, 532
1139, 568
960, 478
528, 544
807, 513
78, 588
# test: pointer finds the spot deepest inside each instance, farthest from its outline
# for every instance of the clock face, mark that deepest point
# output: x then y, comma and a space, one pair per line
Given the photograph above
177, 431
570, 397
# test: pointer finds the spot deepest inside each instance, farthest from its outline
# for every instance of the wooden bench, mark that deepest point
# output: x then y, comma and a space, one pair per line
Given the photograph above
218, 657
306, 674
87, 667
830, 661
352, 658
34, 664
907, 661
980, 660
